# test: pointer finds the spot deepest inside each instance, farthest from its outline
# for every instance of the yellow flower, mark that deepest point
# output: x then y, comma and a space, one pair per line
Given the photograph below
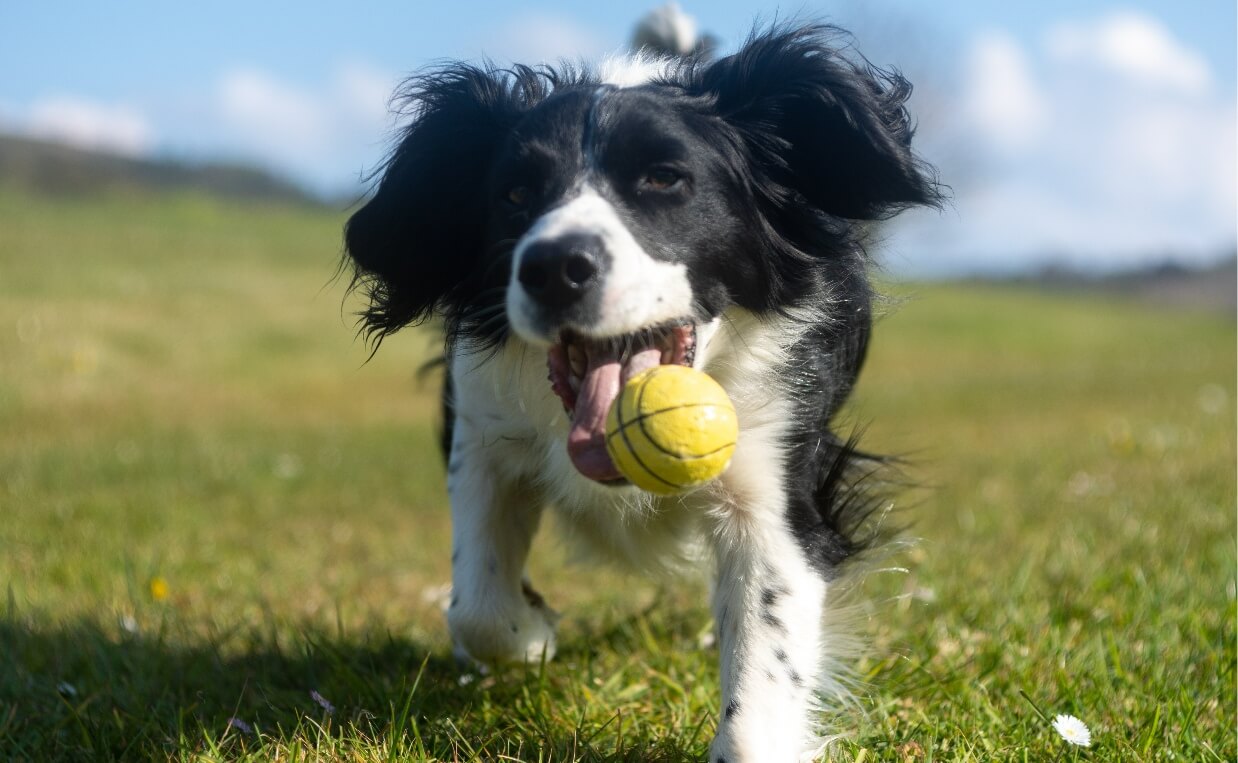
158, 588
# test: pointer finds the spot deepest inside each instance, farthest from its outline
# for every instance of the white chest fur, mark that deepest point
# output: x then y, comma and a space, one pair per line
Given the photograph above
505, 407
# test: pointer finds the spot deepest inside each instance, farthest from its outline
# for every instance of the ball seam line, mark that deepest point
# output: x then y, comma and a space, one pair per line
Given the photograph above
665, 410
641, 423
626, 422
623, 432
673, 454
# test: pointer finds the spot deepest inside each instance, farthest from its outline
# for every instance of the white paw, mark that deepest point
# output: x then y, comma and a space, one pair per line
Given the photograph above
770, 746
724, 750
519, 633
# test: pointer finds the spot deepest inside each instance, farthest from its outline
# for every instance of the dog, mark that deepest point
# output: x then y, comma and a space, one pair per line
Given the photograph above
585, 223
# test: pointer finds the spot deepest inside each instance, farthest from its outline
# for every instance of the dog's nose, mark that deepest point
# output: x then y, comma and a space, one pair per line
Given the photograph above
558, 272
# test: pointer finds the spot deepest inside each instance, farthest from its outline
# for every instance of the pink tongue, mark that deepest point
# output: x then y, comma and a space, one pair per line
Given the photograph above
599, 386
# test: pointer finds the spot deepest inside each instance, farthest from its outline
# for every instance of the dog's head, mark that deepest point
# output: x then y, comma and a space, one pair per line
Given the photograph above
604, 216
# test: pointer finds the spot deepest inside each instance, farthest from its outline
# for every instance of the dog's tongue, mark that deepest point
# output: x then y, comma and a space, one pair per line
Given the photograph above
604, 374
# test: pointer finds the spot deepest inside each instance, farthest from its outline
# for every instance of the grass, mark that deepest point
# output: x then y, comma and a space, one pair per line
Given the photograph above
212, 506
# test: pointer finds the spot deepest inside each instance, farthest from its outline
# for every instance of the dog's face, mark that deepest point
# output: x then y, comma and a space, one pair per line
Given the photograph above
607, 223
621, 211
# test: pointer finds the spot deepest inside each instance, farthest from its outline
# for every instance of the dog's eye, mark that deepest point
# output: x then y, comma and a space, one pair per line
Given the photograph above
517, 196
660, 179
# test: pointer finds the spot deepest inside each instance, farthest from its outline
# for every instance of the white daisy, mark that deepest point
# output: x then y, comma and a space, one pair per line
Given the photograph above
1073, 730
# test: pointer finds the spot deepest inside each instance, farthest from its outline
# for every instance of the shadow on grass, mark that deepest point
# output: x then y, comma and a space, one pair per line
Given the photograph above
84, 691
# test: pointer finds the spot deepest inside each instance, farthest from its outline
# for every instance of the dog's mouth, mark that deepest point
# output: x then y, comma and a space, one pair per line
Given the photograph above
588, 373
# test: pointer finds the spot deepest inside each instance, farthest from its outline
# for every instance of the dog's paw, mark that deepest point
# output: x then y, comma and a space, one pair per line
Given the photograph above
725, 750
521, 633
730, 746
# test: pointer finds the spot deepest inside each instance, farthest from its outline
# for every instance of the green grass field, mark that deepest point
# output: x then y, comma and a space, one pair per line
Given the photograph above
211, 506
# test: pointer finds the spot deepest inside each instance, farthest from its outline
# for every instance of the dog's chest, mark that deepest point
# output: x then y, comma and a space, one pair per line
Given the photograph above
505, 407
517, 430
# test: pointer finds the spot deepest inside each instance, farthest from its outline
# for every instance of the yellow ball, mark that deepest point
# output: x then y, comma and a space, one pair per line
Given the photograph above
671, 428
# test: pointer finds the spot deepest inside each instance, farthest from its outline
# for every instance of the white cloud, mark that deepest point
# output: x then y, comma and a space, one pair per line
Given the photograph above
273, 116
330, 133
1002, 99
89, 124
543, 38
1131, 158
1133, 45
362, 91
327, 134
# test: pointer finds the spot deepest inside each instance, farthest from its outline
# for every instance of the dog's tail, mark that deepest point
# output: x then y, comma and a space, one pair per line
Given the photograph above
668, 32
855, 497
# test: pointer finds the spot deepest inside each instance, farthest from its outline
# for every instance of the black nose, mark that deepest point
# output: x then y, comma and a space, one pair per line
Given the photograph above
558, 272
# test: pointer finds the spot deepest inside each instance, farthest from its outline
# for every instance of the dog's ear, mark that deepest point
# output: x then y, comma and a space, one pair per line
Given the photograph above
419, 239
830, 129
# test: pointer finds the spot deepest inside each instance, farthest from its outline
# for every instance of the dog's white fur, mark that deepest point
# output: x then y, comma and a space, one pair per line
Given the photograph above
508, 459
639, 291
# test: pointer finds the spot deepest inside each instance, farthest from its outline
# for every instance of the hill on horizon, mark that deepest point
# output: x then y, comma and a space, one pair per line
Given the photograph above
59, 169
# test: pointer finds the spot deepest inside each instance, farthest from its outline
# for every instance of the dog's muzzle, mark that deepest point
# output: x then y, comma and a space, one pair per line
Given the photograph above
587, 375
558, 273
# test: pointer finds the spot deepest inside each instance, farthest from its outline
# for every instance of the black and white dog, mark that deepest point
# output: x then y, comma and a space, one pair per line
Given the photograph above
652, 211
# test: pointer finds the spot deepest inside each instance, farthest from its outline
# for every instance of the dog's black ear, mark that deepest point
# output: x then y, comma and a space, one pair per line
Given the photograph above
830, 129
419, 239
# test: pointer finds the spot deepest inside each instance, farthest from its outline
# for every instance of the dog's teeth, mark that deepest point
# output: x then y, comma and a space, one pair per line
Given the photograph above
687, 344
665, 342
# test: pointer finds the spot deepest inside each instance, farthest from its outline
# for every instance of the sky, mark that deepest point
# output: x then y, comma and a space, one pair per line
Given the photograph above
1086, 133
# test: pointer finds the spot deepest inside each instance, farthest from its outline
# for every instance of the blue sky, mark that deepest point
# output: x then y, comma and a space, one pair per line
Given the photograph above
1096, 133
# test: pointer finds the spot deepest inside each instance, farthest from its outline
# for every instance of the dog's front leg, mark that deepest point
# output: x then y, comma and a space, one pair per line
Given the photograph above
495, 616
768, 604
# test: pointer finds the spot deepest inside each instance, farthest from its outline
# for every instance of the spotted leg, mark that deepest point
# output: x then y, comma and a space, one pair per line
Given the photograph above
768, 603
